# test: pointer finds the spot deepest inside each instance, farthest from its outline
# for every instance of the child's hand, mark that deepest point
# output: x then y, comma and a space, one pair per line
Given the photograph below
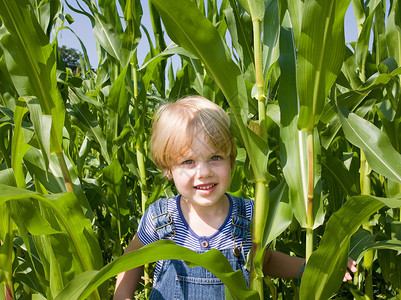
350, 267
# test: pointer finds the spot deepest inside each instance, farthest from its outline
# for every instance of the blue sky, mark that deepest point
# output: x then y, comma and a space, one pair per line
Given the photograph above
82, 27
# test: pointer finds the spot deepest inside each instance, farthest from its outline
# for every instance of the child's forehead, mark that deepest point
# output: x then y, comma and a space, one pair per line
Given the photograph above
197, 145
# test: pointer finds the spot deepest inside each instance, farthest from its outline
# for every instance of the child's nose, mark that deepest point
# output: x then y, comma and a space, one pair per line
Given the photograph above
204, 169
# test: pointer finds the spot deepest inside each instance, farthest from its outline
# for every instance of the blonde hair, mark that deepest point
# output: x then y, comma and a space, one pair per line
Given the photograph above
176, 124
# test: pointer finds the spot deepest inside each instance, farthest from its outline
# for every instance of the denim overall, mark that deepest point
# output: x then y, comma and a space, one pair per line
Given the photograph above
178, 281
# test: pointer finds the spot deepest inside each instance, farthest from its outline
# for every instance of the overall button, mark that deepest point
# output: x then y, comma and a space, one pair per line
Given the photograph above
205, 244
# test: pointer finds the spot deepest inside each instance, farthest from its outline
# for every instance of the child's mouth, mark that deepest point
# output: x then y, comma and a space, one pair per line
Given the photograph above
205, 187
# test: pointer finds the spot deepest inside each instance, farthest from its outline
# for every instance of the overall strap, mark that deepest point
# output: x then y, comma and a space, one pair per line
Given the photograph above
163, 221
241, 225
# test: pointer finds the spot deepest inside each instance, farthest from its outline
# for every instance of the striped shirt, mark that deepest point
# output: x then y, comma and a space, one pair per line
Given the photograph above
186, 237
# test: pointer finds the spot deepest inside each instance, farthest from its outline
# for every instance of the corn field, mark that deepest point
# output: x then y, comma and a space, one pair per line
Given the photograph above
317, 123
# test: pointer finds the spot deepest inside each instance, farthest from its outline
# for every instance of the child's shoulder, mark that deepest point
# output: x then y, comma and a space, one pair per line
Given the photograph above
240, 203
163, 205
242, 200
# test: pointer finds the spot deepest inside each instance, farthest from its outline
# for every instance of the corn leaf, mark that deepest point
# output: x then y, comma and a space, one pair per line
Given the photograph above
254, 7
42, 124
31, 63
213, 260
271, 32
105, 33
18, 146
241, 35
363, 241
326, 267
117, 104
318, 67
117, 201
70, 217
362, 45
393, 31
294, 141
87, 121
380, 154
296, 9
280, 213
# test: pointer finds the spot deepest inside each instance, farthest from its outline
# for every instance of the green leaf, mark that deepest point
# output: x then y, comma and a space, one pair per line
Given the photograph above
52, 180
51, 264
294, 142
296, 9
318, 67
362, 45
33, 220
117, 201
31, 63
7, 177
326, 267
254, 7
271, 32
18, 146
280, 213
166, 54
393, 31
42, 124
340, 174
377, 80
63, 255
213, 260
117, 104
69, 214
106, 35
380, 32
240, 28
348, 69
88, 123
363, 241
349, 100
389, 257
380, 154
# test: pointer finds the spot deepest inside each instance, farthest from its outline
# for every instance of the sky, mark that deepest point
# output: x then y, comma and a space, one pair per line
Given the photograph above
83, 28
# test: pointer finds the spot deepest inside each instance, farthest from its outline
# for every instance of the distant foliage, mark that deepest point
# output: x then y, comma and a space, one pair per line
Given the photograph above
70, 57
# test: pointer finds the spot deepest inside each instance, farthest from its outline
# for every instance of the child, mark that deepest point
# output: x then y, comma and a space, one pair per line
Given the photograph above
192, 144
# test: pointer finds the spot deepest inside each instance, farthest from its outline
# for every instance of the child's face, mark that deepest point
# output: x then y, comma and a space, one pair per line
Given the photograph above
202, 176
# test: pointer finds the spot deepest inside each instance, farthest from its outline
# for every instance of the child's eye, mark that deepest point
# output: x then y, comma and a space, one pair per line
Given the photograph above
215, 158
188, 162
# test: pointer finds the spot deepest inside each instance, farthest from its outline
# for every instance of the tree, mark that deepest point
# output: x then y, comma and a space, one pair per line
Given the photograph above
70, 57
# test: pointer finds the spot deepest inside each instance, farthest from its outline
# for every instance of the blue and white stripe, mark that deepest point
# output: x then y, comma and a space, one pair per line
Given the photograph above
186, 237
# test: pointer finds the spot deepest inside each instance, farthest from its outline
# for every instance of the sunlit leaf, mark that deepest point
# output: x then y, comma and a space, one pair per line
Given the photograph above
69, 213
318, 67
326, 267
212, 260
393, 31
31, 63
19, 147
381, 155
254, 7
271, 32
294, 141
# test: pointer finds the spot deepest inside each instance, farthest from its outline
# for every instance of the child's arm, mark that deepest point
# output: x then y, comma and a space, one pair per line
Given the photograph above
127, 282
277, 264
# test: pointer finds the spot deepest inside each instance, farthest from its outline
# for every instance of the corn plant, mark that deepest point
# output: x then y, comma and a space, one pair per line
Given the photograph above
317, 124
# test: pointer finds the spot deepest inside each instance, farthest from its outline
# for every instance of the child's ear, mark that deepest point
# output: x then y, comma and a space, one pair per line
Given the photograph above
167, 174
